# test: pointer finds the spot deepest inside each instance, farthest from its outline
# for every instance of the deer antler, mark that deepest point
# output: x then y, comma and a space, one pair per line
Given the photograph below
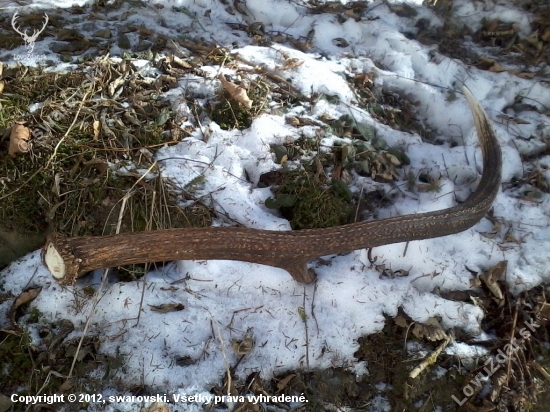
70, 258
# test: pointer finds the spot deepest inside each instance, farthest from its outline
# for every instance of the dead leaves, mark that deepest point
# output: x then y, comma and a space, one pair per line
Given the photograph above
283, 382
491, 65
243, 346
167, 307
13, 315
343, 12
491, 276
157, 407
238, 93
340, 42
531, 50
544, 311
431, 330
19, 139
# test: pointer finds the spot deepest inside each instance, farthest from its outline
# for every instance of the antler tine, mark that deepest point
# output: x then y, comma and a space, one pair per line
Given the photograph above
14, 22
45, 22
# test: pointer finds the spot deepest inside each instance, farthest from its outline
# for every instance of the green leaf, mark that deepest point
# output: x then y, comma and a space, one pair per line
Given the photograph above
342, 190
271, 203
379, 143
362, 146
163, 117
280, 153
365, 166
367, 131
348, 153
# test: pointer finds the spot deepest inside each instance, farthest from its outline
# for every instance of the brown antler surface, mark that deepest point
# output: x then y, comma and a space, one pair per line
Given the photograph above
69, 258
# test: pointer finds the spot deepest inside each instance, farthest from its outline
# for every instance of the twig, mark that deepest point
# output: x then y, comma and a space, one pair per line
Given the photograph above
307, 331
358, 204
509, 363
313, 307
430, 359
222, 347
541, 370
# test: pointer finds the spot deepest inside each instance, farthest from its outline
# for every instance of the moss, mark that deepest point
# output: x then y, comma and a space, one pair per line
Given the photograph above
229, 114
317, 204
34, 316
88, 290
64, 192
33, 85
15, 107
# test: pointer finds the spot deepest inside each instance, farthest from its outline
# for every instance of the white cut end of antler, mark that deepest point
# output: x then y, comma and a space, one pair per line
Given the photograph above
54, 262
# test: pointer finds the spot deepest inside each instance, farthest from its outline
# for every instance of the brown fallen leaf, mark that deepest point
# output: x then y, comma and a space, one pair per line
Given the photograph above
340, 42
491, 277
282, 384
238, 93
65, 386
292, 121
545, 311
19, 139
243, 346
432, 332
364, 80
100, 165
496, 68
175, 60
486, 63
97, 129
400, 320
157, 407
167, 307
526, 75
25, 297
5, 403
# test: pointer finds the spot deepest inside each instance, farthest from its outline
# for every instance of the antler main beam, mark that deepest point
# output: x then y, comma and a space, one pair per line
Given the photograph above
69, 258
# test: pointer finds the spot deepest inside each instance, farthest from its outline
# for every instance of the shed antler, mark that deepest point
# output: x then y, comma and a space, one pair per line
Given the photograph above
69, 258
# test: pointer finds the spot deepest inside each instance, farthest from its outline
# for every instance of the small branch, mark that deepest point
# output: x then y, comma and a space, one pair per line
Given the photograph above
430, 359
